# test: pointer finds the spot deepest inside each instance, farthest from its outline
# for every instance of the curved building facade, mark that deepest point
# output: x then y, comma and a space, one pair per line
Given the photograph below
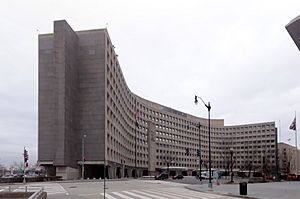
87, 114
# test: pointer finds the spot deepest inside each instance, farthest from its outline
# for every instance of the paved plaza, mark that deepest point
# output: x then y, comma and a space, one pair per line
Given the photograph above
131, 189
271, 190
148, 189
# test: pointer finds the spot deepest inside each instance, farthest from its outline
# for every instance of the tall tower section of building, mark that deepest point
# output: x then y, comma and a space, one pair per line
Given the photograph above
71, 98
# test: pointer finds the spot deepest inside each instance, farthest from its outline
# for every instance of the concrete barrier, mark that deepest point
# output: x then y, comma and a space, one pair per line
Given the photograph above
40, 194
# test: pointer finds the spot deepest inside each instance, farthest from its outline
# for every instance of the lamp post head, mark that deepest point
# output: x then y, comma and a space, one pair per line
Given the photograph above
196, 100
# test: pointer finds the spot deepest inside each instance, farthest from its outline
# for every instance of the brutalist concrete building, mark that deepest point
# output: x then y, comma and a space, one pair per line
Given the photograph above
293, 27
86, 109
287, 159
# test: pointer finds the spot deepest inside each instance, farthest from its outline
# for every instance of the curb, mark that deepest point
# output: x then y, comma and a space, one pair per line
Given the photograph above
89, 180
221, 193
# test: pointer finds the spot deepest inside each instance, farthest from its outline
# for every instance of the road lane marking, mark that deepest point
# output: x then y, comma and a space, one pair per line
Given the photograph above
122, 195
162, 193
183, 193
173, 196
50, 188
195, 193
153, 196
136, 195
107, 196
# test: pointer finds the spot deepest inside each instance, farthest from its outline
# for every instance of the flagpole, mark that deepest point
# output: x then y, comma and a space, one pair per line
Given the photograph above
24, 179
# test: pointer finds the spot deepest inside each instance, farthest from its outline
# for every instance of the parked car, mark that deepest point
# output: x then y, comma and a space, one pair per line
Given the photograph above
162, 176
179, 176
7, 176
292, 177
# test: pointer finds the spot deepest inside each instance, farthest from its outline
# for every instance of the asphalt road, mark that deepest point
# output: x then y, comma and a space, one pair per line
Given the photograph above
188, 188
131, 189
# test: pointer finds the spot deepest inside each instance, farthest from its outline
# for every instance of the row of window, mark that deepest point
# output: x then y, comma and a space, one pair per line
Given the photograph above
175, 131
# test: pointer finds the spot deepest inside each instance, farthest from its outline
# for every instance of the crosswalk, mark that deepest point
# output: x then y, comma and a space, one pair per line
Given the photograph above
26, 189
50, 188
54, 188
163, 193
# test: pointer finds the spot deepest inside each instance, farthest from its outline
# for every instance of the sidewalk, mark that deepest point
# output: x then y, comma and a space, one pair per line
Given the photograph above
271, 190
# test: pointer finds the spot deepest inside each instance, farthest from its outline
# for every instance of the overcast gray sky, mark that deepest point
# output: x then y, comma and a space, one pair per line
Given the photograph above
235, 54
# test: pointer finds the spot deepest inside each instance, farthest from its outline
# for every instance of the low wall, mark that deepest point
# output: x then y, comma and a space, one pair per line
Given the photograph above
15, 195
20, 195
35, 179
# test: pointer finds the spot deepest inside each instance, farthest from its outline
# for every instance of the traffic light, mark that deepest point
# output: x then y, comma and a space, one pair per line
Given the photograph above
196, 100
187, 151
198, 152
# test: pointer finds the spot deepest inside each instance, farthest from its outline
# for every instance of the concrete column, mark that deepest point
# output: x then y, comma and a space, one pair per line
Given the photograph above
151, 148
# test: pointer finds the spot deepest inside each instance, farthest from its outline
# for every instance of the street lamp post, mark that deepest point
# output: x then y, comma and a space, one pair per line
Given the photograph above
82, 156
209, 151
200, 170
231, 155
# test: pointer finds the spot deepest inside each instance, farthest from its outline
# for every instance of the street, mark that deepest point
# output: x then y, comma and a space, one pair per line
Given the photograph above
188, 188
131, 189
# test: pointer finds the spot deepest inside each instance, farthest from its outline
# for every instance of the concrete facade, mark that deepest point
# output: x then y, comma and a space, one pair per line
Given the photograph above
71, 97
151, 137
293, 28
288, 159
82, 91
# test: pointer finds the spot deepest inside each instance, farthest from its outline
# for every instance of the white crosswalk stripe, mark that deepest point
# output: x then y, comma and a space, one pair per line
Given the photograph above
4, 189
151, 195
107, 196
169, 194
122, 195
186, 195
136, 195
162, 193
194, 193
51, 188
29, 189
54, 188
